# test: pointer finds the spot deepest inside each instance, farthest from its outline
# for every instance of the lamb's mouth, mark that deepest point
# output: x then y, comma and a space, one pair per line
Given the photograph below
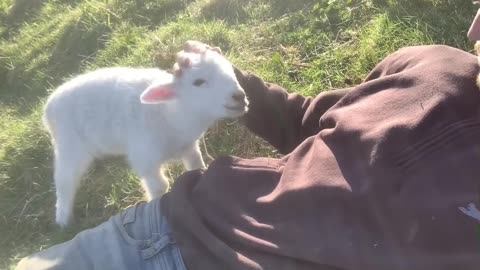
236, 108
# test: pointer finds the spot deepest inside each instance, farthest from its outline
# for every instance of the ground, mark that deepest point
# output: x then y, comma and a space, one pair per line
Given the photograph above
304, 45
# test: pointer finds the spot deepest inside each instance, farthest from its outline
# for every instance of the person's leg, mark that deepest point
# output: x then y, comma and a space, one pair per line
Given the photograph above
138, 238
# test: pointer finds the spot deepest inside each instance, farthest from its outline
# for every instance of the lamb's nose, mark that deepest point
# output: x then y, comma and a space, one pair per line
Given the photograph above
239, 96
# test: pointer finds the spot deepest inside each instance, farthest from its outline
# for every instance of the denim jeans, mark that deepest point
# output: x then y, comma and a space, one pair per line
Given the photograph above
137, 238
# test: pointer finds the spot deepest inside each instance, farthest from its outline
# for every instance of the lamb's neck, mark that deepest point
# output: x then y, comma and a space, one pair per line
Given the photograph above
189, 122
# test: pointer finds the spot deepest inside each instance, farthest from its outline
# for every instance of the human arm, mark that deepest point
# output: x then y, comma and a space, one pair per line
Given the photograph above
281, 118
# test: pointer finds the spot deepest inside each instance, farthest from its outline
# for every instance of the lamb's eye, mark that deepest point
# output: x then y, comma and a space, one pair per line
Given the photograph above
198, 82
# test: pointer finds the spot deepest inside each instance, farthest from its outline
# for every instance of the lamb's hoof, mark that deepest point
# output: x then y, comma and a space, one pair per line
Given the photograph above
150, 197
63, 220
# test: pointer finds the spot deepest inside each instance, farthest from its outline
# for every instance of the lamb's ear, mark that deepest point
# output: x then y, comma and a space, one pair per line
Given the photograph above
158, 93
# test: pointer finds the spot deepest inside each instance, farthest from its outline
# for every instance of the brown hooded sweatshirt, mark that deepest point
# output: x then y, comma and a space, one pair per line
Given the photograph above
373, 176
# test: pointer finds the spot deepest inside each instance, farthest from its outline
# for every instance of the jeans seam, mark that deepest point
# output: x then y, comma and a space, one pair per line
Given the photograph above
164, 241
178, 258
119, 223
161, 245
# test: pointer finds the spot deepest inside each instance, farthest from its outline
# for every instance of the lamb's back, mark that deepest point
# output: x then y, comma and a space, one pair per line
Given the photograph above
101, 107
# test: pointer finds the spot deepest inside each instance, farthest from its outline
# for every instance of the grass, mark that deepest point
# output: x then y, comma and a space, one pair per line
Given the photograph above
307, 46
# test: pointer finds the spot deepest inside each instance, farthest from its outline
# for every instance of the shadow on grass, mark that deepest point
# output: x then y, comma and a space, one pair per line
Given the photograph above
25, 84
24, 11
222, 139
239, 11
77, 45
151, 13
231, 11
446, 22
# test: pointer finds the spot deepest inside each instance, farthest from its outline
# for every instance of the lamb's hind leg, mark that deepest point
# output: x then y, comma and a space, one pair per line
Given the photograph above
71, 162
148, 167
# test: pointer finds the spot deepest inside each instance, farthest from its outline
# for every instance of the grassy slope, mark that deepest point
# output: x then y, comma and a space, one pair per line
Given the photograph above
304, 45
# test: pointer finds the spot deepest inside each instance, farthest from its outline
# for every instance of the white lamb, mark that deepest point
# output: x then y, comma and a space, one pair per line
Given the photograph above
146, 114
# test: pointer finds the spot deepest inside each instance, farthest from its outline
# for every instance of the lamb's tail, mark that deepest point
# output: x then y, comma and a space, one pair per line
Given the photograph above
47, 116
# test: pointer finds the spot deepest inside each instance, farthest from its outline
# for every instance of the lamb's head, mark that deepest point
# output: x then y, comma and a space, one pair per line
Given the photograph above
204, 81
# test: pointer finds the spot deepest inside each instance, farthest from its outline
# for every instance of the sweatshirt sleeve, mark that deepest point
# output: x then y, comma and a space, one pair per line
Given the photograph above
283, 119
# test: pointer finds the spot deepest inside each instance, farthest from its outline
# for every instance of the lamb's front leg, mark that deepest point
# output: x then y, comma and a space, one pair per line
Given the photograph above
154, 182
192, 159
147, 165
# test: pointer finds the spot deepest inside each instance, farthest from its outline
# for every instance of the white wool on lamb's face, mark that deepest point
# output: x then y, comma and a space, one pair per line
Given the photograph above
212, 83
204, 82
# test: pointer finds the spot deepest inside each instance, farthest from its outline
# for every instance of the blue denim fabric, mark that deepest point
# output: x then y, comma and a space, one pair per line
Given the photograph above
138, 238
